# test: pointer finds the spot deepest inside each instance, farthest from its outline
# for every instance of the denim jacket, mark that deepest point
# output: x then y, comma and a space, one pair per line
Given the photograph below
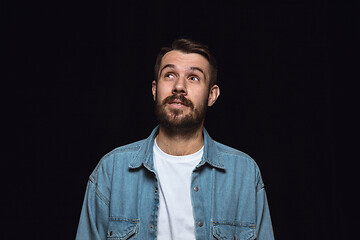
228, 195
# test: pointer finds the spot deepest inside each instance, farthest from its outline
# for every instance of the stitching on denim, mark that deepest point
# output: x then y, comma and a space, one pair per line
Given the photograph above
232, 151
138, 152
92, 179
222, 165
129, 234
122, 149
235, 224
102, 196
237, 154
136, 220
108, 155
260, 186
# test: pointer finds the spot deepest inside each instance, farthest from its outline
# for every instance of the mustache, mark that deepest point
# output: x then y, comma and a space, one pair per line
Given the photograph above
178, 97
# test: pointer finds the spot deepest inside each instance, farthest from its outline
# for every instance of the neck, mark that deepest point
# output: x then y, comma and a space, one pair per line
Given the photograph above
178, 144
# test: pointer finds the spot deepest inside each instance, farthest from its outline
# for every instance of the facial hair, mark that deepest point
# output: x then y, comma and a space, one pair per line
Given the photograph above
174, 122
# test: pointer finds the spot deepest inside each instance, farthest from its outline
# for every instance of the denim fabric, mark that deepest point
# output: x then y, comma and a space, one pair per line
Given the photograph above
228, 195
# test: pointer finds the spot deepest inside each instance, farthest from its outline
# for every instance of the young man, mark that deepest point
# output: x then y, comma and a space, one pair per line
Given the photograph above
178, 183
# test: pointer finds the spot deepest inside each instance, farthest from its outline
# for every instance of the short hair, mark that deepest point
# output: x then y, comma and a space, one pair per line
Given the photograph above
189, 46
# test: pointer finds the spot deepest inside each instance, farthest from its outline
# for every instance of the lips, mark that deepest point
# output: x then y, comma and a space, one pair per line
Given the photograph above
178, 100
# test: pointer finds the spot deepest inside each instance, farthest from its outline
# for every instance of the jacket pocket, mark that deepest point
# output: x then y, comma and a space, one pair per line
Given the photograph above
233, 230
120, 228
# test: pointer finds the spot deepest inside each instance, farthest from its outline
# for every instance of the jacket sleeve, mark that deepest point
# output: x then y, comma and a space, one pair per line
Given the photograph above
264, 230
94, 216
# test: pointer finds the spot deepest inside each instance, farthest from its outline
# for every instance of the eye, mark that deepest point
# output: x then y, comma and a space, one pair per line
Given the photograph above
169, 75
194, 78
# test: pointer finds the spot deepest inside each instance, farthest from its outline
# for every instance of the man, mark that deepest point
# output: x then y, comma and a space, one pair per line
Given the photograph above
178, 183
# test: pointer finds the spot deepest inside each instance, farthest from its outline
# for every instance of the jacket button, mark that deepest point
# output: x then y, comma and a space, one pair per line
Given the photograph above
156, 190
151, 226
111, 233
200, 224
196, 189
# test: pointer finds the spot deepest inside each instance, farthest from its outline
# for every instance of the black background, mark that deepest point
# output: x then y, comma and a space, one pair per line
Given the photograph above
78, 84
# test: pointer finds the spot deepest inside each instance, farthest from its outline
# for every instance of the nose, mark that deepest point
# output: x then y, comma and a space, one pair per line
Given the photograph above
180, 86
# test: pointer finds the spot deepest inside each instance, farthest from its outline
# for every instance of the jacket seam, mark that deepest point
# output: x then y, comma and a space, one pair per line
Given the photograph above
102, 197
260, 186
123, 149
132, 220
237, 154
109, 155
234, 223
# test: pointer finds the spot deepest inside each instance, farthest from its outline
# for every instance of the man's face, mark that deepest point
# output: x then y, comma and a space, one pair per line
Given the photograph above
182, 93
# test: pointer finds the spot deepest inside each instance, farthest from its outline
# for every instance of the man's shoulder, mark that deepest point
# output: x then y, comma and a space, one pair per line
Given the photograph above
232, 156
238, 161
119, 157
128, 148
230, 151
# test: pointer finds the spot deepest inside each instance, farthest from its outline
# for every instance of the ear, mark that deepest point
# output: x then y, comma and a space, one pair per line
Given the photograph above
213, 95
153, 89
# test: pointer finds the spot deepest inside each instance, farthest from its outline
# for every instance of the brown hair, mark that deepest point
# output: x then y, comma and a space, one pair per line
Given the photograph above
189, 46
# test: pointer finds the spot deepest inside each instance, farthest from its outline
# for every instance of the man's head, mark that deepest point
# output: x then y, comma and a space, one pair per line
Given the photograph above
188, 46
184, 86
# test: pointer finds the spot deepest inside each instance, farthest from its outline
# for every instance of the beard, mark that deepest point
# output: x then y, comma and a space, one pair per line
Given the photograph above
174, 122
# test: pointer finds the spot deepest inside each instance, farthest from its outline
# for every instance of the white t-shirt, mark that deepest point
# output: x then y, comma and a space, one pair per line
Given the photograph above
176, 219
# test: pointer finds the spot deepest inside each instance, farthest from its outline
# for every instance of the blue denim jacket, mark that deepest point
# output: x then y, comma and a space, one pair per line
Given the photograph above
228, 195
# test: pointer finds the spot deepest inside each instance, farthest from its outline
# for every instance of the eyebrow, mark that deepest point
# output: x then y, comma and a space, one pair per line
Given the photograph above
166, 66
197, 68
191, 68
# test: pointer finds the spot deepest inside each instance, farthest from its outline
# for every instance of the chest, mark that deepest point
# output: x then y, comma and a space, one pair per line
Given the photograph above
222, 204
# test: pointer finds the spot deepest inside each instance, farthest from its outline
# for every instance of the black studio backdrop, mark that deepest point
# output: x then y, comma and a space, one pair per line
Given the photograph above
79, 84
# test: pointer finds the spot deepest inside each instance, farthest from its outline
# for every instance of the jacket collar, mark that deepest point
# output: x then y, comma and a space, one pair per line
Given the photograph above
145, 154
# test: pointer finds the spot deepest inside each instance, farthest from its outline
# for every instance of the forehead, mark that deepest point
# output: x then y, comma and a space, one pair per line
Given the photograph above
185, 60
